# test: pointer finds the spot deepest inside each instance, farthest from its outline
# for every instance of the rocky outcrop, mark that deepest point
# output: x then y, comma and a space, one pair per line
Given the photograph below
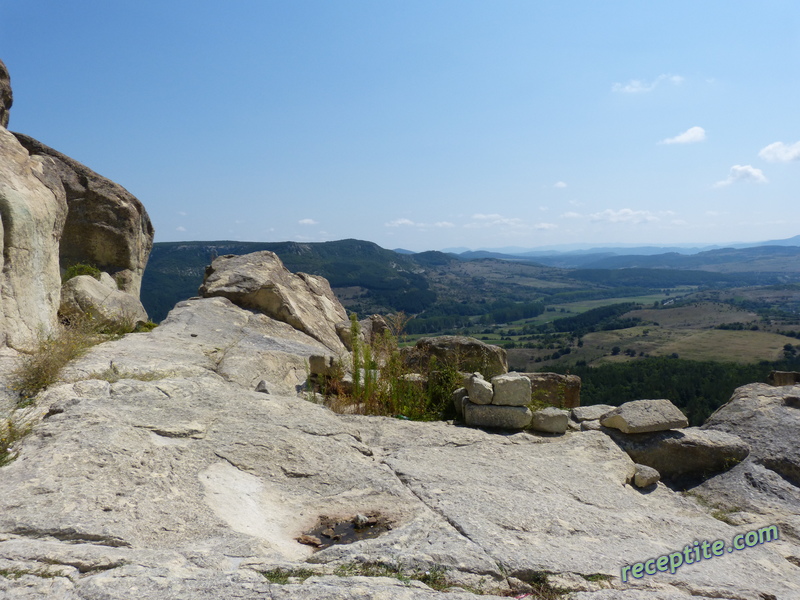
106, 225
765, 484
55, 213
464, 353
550, 420
259, 281
6, 97
33, 210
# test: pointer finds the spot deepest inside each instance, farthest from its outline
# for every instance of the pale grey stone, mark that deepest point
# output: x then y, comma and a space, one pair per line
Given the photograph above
479, 390
641, 416
550, 420
500, 417
645, 476
590, 413
262, 387
591, 426
261, 282
511, 389
34, 213
85, 295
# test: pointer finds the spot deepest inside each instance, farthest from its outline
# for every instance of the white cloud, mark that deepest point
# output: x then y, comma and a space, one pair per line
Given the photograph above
625, 215
308, 222
399, 223
571, 215
637, 86
180, 228
492, 220
746, 173
545, 226
690, 136
182, 213
780, 152
444, 224
560, 185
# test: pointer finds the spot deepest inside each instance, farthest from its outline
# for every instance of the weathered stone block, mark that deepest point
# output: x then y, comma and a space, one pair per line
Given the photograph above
511, 389
645, 476
550, 420
500, 417
642, 416
480, 391
562, 391
590, 413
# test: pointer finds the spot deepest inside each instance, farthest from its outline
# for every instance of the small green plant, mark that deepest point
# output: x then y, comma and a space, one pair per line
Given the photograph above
10, 434
145, 327
81, 269
434, 577
113, 374
17, 573
283, 576
543, 589
598, 577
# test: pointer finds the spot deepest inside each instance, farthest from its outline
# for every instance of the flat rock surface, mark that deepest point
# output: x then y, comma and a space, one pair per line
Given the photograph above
643, 416
169, 475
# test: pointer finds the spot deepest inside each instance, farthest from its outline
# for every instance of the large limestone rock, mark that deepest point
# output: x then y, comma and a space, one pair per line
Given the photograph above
6, 97
684, 456
106, 225
464, 353
642, 416
550, 420
158, 469
765, 485
101, 301
260, 281
33, 208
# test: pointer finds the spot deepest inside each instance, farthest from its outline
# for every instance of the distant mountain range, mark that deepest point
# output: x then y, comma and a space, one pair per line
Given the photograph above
368, 278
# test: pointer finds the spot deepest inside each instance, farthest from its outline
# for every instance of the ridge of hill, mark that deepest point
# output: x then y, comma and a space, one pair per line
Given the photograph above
368, 278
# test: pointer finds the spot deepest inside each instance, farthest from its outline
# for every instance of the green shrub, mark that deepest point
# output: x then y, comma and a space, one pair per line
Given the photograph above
10, 433
81, 269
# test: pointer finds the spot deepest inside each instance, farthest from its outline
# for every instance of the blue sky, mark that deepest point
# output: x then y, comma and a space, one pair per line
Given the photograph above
424, 124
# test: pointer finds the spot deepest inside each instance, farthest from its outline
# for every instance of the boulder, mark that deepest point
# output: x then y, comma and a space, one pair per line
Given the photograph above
463, 353
6, 97
34, 210
590, 413
85, 295
550, 420
645, 476
554, 389
106, 225
511, 389
767, 418
641, 416
259, 281
496, 417
685, 457
479, 390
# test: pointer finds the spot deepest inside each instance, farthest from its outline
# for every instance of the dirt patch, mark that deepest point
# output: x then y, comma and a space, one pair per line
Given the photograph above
330, 531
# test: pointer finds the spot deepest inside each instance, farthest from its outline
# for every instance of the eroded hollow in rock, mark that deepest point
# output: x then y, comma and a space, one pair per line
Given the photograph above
330, 531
